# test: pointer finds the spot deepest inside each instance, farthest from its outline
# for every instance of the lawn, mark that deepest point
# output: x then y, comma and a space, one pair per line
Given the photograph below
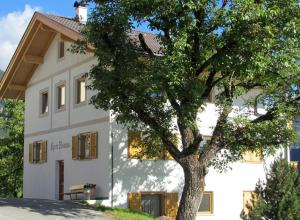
123, 214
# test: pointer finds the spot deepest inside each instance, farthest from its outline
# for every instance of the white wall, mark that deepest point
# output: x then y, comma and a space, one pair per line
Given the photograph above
41, 180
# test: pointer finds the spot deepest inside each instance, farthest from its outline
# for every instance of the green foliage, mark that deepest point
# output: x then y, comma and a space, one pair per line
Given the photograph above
232, 49
11, 148
279, 195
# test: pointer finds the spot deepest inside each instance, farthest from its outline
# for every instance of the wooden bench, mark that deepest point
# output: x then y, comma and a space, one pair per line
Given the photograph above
80, 189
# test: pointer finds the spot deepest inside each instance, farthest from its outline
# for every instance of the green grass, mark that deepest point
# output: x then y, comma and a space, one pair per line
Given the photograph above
123, 214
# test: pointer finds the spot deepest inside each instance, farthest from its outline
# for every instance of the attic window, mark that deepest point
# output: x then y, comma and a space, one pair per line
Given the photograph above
61, 50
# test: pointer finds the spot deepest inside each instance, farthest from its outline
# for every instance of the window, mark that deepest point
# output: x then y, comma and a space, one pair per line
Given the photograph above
61, 96
44, 103
84, 146
80, 90
61, 49
249, 198
252, 157
146, 146
38, 152
206, 206
152, 204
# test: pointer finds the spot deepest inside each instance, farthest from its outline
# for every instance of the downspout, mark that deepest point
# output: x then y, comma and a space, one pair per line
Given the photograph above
112, 170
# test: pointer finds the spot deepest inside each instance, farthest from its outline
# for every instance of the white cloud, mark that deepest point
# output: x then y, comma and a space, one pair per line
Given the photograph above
13, 26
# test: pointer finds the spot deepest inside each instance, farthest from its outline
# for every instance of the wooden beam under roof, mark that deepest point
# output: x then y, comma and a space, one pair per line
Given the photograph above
33, 59
17, 87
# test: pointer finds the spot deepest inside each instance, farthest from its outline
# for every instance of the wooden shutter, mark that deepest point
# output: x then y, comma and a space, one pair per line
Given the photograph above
134, 144
94, 141
171, 204
249, 198
75, 147
30, 153
43, 149
135, 201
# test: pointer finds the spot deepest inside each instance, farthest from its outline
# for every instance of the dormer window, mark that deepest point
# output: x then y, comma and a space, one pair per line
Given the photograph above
61, 50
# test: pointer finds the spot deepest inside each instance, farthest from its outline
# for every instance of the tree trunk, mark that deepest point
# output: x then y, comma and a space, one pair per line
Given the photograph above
194, 174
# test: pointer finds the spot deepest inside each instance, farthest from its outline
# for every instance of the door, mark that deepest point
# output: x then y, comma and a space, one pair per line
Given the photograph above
61, 179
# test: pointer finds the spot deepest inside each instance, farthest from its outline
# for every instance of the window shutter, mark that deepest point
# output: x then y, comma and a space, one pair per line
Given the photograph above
134, 144
171, 204
249, 198
94, 141
30, 153
43, 152
75, 147
135, 201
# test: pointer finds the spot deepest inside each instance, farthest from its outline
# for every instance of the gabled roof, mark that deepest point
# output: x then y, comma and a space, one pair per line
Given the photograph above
34, 44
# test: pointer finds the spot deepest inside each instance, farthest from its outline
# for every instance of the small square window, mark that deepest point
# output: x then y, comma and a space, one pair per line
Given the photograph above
61, 49
206, 206
80, 90
61, 96
44, 103
152, 204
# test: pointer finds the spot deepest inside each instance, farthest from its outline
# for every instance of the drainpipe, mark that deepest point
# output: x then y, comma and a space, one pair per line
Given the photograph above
112, 170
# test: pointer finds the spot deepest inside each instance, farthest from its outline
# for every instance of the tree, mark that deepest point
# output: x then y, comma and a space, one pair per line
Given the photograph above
231, 47
11, 148
279, 195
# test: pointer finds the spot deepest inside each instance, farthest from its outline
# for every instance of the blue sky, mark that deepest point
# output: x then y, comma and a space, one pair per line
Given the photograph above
59, 7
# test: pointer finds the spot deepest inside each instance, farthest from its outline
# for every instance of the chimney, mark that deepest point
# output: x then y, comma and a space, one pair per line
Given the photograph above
81, 11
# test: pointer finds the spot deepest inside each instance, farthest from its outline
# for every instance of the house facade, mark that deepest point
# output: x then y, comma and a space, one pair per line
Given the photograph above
69, 142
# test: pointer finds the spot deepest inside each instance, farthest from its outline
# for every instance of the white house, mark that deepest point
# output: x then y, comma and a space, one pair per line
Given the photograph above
68, 142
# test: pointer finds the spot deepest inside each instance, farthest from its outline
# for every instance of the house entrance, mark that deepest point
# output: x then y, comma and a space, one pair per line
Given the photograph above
61, 168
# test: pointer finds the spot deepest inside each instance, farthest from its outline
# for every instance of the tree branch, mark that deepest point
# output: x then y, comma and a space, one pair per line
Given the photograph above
209, 61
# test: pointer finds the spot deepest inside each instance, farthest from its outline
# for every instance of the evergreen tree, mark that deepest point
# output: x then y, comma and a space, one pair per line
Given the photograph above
279, 196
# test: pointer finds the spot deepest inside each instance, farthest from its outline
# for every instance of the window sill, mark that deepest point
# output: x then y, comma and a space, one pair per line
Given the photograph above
61, 59
62, 109
205, 213
43, 115
80, 104
252, 162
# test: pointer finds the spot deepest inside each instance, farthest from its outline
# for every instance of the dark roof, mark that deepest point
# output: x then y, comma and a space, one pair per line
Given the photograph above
150, 38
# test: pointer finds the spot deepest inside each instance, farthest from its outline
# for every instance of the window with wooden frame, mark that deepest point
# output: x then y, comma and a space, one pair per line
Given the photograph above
38, 152
61, 96
206, 206
80, 90
84, 146
44, 102
61, 49
154, 203
145, 146
252, 157
249, 199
